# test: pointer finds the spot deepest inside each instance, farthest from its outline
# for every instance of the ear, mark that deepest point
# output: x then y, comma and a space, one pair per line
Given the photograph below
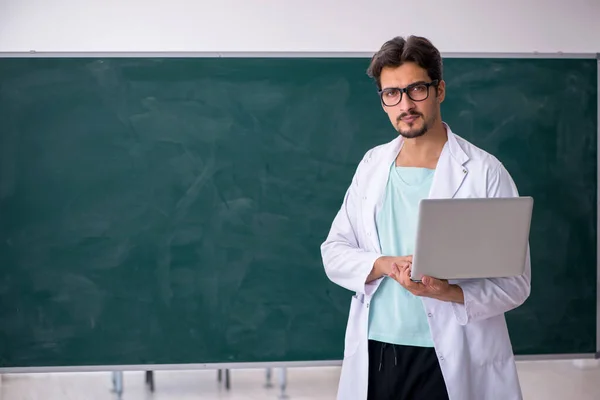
441, 91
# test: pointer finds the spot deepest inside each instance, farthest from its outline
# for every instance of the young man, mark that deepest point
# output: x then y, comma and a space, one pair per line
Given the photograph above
435, 339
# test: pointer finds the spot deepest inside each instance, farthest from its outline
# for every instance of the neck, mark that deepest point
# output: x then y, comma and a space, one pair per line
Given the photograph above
423, 151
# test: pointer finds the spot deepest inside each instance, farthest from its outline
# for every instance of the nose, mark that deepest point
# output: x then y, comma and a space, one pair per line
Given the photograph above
405, 104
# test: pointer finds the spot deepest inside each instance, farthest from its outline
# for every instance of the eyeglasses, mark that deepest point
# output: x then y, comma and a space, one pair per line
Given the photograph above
416, 92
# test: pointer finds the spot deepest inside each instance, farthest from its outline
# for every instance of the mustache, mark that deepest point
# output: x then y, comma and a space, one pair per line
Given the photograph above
406, 114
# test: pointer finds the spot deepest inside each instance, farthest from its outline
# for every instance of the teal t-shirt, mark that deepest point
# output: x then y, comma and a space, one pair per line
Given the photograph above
396, 315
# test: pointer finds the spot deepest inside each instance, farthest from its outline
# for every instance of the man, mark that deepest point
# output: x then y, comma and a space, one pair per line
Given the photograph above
435, 339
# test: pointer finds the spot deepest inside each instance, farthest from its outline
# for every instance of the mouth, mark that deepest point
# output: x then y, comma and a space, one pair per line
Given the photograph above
409, 118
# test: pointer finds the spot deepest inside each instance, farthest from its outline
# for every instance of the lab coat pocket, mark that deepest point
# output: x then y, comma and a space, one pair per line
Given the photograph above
353, 328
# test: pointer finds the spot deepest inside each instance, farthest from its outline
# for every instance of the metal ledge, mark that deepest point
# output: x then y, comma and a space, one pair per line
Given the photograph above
269, 54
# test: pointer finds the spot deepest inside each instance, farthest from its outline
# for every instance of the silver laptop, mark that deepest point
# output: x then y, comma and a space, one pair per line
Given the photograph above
472, 238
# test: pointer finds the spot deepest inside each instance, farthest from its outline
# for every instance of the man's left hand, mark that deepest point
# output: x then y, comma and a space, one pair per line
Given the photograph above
438, 289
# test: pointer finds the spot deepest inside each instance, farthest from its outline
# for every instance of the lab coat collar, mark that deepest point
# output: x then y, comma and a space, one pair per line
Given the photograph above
452, 155
452, 147
451, 170
455, 150
449, 174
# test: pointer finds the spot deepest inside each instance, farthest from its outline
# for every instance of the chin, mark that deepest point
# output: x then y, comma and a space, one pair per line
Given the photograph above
412, 133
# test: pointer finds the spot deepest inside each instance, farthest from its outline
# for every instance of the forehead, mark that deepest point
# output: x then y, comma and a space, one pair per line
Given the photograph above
403, 75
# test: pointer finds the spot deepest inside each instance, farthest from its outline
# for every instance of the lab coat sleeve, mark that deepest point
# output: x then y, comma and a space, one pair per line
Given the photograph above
485, 298
346, 263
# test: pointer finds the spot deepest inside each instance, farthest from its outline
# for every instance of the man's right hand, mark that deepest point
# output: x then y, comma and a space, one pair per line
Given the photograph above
383, 266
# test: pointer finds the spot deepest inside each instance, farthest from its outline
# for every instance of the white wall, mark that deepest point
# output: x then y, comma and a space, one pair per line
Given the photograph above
285, 25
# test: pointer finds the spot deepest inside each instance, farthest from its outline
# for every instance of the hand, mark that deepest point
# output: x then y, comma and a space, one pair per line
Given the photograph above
438, 289
383, 266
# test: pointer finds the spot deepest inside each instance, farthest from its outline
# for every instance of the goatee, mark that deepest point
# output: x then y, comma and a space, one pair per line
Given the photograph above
410, 133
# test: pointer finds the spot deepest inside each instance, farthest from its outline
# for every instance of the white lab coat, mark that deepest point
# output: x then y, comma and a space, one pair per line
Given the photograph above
471, 340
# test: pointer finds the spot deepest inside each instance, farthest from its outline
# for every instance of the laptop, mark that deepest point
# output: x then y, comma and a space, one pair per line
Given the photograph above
472, 238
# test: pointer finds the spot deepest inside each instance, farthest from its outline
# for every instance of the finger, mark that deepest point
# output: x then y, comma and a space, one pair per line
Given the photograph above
399, 274
405, 270
432, 283
403, 260
395, 272
408, 271
408, 283
428, 281
417, 288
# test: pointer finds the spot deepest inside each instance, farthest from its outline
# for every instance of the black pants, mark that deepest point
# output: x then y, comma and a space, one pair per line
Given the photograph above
404, 373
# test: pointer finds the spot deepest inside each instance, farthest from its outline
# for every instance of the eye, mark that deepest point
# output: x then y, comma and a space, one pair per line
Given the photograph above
418, 89
391, 93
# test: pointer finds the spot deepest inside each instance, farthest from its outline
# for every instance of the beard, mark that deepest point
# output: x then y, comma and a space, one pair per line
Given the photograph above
413, 131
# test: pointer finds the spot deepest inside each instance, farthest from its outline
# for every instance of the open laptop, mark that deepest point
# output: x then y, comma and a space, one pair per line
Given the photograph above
472, 238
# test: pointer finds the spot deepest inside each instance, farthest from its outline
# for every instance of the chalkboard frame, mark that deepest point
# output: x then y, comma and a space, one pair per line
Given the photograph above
292, 54
597, 355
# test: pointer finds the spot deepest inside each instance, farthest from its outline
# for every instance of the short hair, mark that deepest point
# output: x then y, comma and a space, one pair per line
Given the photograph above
398, 50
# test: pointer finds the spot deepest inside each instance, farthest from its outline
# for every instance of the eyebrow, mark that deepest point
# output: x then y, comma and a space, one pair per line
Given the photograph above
412, 84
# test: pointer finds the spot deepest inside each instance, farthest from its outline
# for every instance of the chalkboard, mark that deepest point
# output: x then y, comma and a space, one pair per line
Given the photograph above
170, 210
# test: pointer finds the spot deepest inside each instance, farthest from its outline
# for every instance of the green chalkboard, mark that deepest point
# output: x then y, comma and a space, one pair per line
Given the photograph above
170, 210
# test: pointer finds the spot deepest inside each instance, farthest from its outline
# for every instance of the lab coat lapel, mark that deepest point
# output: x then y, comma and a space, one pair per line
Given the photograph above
450, 171
377, 185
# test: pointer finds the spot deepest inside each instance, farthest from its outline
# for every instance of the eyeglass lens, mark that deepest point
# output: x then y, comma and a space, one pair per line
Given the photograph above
393, 96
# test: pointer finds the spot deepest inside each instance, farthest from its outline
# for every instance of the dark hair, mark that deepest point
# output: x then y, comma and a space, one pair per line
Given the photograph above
398, 50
